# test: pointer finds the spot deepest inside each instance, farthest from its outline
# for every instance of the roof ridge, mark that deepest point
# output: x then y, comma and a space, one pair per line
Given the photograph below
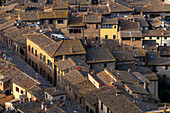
27, 75
123, 6
72, 61
61, 42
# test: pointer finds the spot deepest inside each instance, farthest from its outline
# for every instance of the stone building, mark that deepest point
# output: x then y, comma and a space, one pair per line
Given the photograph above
43, 52
99, 58
109, 29
92, 23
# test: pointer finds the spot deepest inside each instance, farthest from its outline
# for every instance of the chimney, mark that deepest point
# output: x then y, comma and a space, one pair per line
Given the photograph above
163, 33
42, 105
107, 3
71, 50
141, 13
129, 70
64, 57
46, 108
118, 93
55, 37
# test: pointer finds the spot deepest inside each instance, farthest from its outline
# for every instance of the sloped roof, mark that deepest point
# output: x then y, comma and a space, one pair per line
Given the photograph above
100, 54
157, 33
28, 16
37, 92
113, 21
44, 42
60, 5
87, 90
100, 9
75, 21
156, 8
20, 78
92, 18
17, 35
54, 91
68, 63
126, 25
116, 7
135, 88
55, 14
75, 45
117, 104
137, 52
74, 77
7, 24
53, 48
142, 21
123, 55
126, 34
8, 8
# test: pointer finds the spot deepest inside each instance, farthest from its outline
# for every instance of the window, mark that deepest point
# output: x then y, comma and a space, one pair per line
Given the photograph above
106, 36
29, 61
97, 38
41, 71
166, 67
96, 26
35, 52
51, 81
165, 44
87, 108
102, 106
33, 64
17, 89
44, 73
22, 92
69, 89
107, 26
48, 62
41, 56
80, 100
46, 96
29, 48
48, 77
71, 30
21, 51
44, 59
126, 38
114, 36
32, 50
91, 111
165, 38
60, 21
75, 96
36, 67
150, 37
157, 38
50, 21
108, 110
115, 27
105, 64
